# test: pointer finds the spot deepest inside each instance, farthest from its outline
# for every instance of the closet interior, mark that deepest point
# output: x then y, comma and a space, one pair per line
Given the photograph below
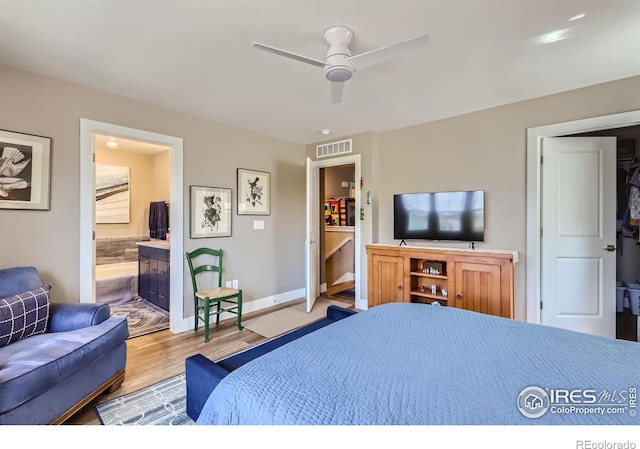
627, 230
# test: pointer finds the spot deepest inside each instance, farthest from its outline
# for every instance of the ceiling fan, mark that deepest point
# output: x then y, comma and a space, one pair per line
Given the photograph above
339, 66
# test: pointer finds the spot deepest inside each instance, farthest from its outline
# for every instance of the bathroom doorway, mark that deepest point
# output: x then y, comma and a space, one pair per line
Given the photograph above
89, 130
132, 178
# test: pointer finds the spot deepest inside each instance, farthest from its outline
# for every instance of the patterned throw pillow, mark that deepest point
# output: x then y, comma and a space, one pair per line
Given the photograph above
24, 314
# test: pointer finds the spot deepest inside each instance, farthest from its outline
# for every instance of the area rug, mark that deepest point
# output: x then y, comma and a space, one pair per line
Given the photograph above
143, 318
163, 403
289, 318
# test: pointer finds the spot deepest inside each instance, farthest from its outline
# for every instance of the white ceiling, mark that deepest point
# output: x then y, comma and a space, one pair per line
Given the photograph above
196, 56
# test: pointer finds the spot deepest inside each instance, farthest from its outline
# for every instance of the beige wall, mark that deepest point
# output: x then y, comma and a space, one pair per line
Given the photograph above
161, 177
342, 261
486, 150
266, 262
334, 176
150, 180
483, 150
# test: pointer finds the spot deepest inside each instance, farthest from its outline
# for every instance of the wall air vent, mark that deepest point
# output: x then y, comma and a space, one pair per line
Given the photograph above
334, 148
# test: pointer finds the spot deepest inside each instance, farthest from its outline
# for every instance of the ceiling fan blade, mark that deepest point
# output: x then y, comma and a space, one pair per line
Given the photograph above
336, 91
383, 54
288, 54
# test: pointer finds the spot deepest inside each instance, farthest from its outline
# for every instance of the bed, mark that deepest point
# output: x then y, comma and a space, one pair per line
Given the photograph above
417, 364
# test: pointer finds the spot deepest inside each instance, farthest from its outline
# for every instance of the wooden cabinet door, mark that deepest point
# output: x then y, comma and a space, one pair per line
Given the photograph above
478, 288
386, 279
143, 277
163, 296
163, 284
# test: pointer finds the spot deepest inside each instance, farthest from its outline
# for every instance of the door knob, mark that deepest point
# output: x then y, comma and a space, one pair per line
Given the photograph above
610, 248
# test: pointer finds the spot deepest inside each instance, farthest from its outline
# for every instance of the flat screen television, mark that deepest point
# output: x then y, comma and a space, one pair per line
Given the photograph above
439, 216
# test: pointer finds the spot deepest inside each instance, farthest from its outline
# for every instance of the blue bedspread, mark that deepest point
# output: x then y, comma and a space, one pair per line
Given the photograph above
406, 363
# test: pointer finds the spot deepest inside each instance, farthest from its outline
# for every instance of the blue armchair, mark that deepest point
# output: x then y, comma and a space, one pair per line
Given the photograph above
48, 376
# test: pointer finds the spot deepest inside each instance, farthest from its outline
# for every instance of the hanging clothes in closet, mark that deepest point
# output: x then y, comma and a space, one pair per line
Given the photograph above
634, 194
622, 193
629, 225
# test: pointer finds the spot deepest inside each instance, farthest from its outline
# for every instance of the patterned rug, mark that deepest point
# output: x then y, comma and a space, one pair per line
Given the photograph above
161, 404
143, 318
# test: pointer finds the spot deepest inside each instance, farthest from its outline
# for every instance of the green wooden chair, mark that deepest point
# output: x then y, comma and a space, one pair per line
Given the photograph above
212, 300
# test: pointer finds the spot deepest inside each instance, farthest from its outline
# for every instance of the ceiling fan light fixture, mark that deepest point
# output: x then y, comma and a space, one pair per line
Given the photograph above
339, 64
338, 74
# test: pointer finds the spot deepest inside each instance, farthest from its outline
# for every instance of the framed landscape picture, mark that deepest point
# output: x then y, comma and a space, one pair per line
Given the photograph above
25, 165
253, 192
210, 212
112, 194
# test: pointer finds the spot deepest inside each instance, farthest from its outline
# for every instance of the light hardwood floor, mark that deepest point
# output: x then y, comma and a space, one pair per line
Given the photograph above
158, 356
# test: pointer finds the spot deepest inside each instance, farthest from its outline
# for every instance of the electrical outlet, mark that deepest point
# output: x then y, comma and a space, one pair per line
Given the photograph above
235, 283
228, 284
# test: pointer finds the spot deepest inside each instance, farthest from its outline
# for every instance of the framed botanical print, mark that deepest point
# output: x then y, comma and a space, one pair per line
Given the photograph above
25, 164
253, 192
210, 212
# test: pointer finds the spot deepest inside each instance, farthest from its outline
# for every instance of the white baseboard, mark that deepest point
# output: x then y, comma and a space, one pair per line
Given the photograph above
253, 306
347, 277
362, 304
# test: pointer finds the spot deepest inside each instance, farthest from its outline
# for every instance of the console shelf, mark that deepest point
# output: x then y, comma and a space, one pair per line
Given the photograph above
481, 281
420, 294
434, 276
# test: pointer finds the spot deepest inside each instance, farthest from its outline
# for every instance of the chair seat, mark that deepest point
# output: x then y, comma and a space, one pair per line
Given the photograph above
217, 292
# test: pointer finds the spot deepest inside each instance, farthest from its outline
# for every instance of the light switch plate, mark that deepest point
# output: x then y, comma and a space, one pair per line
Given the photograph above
258, 224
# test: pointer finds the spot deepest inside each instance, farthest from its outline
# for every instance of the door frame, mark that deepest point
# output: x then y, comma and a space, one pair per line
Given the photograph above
89, 128
312, 267
336, 162
534, 191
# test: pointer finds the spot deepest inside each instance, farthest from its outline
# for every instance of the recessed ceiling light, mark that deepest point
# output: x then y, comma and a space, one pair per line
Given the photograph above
577, 17
112, 144
553, 36
325, 132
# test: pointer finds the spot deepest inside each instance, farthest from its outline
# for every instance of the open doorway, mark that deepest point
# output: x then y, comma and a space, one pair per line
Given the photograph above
88, 130
337, 236
315, 256
133, 180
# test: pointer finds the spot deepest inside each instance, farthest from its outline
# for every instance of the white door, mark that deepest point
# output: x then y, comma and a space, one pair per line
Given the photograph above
313, 227
579, 234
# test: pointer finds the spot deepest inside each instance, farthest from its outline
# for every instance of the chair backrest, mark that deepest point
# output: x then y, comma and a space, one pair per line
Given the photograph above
210, 266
